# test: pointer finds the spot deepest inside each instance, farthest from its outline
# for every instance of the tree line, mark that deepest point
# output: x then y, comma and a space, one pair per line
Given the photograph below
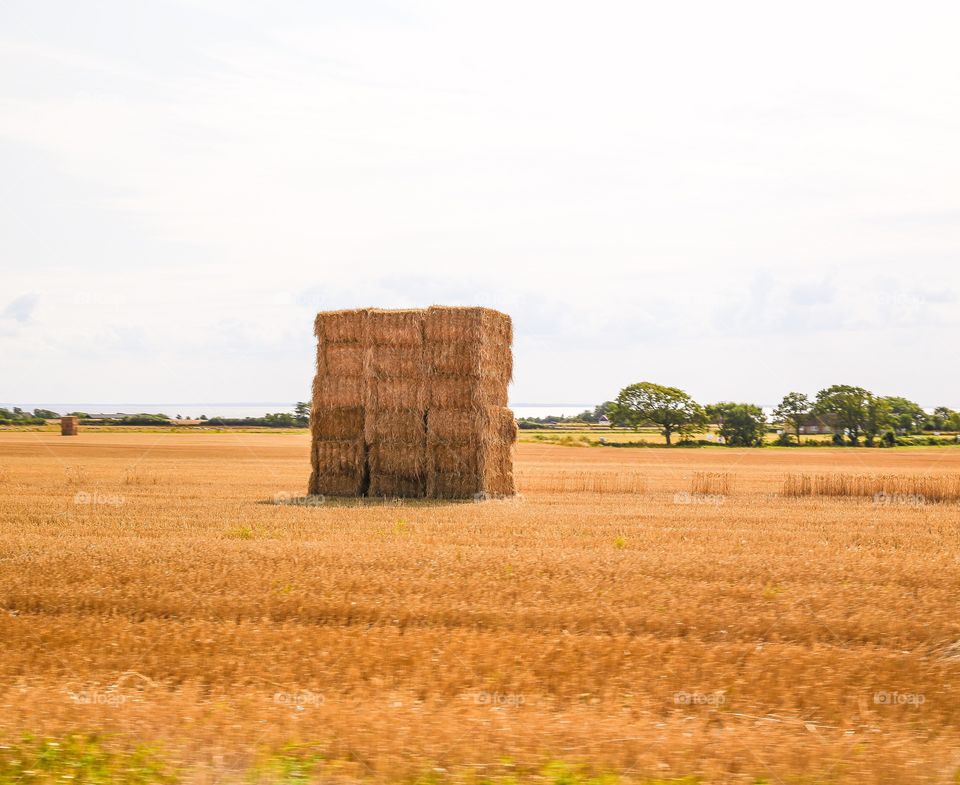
853, 414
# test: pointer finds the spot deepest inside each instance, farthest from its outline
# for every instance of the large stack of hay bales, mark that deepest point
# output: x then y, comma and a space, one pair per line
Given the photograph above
68, 425
412, 403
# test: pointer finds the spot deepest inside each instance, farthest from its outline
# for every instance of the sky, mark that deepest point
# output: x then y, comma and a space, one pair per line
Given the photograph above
740, 199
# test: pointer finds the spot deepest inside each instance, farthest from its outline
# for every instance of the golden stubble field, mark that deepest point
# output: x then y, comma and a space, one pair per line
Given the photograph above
618, 614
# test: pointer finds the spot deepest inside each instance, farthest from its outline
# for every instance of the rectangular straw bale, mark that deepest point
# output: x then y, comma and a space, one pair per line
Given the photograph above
68, 425
455, 392
464, 470
340, 359
397, 486
396, 393
481, 424
340, 456
348, 326
446, 324
452, 486
332, 392
406, 361
457, 458
397, 458
395, 327
498, 472
407, 425
334, 424
339, 467
472, 360
336, 484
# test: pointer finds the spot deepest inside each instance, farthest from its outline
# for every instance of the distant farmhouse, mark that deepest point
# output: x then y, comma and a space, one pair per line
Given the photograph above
825, 423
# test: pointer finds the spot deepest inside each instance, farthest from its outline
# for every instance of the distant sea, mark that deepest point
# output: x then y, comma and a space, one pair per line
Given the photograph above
192, 411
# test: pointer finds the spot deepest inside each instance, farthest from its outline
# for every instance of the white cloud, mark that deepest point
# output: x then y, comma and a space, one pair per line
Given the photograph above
20, 309
652, 191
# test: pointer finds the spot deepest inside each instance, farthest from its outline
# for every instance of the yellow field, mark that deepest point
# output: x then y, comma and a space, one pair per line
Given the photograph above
661, 615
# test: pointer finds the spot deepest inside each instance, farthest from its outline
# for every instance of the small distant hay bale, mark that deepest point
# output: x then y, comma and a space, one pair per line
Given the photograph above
68, 426
341, 326
337, 424
395, 328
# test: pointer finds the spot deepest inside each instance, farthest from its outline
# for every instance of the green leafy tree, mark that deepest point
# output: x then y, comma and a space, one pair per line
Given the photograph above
847, 405
45, 414
669, 408
741, 424
794, 411
943, 419
880, 418
302, 412
908, 416
281, 420
594, 415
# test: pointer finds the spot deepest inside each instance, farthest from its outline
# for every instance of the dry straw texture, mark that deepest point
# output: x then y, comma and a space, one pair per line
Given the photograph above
336, 392
403, 459
427, 389
394, 361
341, 326
396, 394
397, 486
340, 359
450, 644
68, 426
711, 483
342, 423
486, 359
395, 328
480, 424
447, 325
903, 487
399, 426
455, 392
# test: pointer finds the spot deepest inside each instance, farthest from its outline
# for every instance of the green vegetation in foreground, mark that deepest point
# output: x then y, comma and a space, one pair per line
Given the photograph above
89, 759
299, 764
80, 760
